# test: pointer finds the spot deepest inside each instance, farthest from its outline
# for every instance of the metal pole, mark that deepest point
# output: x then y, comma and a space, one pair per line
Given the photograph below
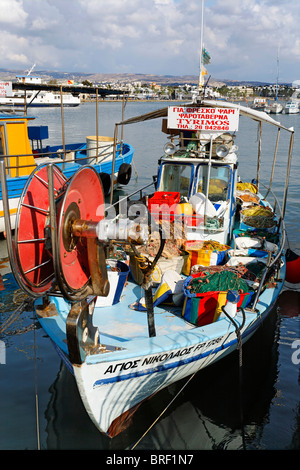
287, 174
208, 181
113, 164
25, 104
274, 160
201, 47
97, 128
62, 126
10, 245
122, 128
259, 153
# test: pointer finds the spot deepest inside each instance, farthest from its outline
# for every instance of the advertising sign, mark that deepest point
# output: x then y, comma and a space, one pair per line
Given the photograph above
5, 89
203, 119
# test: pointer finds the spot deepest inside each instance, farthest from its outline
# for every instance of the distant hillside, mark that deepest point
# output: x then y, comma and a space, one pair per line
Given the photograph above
166, 80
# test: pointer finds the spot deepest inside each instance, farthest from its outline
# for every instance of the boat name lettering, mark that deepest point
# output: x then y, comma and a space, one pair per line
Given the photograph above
165, 356
121, 366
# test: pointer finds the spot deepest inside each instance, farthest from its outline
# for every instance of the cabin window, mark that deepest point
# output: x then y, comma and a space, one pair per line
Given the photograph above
219, 182
176, 178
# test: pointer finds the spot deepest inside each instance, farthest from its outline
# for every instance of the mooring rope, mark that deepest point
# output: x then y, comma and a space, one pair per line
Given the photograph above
26, 304
173, 399
239, 347
36, 394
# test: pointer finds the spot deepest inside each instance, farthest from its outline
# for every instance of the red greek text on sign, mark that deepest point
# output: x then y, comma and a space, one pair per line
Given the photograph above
215, 119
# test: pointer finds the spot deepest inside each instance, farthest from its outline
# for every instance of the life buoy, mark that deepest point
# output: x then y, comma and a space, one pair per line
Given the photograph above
292, 267
106, 182
124, 173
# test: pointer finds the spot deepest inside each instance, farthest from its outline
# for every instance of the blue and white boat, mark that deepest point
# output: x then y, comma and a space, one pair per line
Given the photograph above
159, 321
24, 147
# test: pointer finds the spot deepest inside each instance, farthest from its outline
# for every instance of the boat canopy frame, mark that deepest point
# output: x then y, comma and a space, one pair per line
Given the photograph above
259, 116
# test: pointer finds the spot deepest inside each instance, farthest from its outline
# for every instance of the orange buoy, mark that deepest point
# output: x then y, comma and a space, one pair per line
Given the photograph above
184, 209
292, 267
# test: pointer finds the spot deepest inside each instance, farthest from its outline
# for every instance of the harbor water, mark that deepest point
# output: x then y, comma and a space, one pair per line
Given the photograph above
252, 404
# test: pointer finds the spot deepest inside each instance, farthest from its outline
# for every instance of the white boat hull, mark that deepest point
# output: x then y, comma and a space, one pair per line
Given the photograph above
111, 390
291, 110
109, 396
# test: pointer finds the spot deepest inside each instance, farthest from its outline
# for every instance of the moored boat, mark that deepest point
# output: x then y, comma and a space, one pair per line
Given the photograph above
163, 321
24, 147
292, 107
274, 108
39, 100
260, 104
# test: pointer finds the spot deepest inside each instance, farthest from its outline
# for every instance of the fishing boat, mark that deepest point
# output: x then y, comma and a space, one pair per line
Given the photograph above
275, 107
174, 278
260, 104
24, 147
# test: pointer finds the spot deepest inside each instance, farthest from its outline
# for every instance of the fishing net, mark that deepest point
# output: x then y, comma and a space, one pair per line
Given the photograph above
258, 217
206, 293
247, 186
222, 280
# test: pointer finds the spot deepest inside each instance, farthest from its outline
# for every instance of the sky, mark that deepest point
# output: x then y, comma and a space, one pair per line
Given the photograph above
243, 37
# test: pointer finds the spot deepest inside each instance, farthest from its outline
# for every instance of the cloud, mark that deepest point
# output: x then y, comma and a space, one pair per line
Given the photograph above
152, 36
12, 13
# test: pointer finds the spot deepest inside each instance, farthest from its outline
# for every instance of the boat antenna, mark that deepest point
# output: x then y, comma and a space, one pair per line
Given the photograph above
200, 85
277, 75
206, 84
30, 70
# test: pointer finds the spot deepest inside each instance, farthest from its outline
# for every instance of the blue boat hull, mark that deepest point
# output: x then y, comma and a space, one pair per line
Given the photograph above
16, 185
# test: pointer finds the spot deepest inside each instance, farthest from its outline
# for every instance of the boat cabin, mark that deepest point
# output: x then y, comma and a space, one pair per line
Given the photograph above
203, 175
15, 145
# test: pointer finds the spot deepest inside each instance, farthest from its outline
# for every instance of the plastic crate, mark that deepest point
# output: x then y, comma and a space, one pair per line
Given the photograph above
162, 205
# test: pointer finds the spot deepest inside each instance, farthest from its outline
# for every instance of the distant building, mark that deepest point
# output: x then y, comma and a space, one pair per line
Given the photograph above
29, 79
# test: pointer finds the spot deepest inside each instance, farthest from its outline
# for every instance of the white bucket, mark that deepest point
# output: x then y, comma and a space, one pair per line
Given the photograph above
105, 147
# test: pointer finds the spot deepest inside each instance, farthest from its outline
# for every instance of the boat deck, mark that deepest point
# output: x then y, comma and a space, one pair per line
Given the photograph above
120, 323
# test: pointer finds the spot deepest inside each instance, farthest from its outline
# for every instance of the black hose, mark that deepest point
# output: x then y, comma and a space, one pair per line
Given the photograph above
148, 285
239, 347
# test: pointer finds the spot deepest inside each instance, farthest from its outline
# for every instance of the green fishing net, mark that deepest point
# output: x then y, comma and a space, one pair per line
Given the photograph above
219, 281
261, 234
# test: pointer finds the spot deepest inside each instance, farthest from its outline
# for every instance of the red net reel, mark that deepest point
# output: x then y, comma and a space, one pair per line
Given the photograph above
34, 259
46, 250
